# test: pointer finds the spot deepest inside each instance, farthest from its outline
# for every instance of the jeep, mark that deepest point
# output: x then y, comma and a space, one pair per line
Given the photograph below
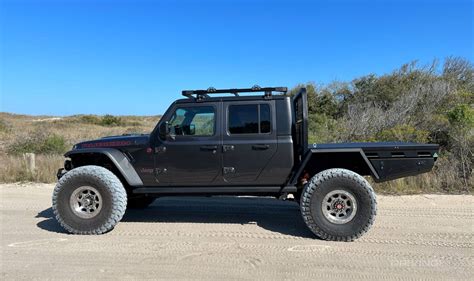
251, 141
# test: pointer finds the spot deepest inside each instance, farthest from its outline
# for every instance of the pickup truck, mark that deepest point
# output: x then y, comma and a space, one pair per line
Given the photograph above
251, 141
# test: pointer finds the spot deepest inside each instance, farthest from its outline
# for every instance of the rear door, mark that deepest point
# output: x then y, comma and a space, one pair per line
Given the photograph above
249, 140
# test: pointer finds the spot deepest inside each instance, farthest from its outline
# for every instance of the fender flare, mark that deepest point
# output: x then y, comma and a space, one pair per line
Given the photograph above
119, 159
312, 152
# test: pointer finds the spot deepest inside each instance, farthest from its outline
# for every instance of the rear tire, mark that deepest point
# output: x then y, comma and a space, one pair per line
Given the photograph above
89, 200
338, 205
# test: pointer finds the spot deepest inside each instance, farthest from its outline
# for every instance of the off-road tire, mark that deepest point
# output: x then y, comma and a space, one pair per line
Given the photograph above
330, 180
139, 202
113, 198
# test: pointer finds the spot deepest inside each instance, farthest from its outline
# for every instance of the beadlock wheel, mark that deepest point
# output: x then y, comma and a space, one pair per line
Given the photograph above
86, 202
339, 206
89, 200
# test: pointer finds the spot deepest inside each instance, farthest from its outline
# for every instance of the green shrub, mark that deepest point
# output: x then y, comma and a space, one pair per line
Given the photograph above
39, 143
90, 119
111, 121
404, 133
106, 121
462, 115
323, 129
53, 144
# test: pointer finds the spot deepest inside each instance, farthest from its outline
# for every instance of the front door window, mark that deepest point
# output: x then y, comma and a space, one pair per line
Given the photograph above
193, 121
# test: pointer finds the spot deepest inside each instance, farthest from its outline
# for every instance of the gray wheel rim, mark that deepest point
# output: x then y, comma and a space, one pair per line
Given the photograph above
86, 202
339, 206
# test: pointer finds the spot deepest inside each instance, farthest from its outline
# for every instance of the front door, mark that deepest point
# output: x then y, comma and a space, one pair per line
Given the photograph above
249, 140
191, 154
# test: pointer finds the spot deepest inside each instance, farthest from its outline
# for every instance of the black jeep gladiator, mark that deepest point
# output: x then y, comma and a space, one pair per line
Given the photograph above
213, 143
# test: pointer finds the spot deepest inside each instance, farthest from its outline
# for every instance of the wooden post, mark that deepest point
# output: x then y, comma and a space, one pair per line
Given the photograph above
30, 162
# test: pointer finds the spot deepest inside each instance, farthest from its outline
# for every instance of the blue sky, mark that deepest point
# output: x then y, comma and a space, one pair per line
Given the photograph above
135, 57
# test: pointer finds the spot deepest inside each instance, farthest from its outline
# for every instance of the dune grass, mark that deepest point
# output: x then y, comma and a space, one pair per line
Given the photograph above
49, 137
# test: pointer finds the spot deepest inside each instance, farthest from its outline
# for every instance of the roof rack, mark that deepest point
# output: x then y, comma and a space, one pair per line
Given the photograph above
200, 94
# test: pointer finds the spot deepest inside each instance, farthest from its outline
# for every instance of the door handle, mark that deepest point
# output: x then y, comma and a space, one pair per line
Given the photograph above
226, 148
260, 146
209, 147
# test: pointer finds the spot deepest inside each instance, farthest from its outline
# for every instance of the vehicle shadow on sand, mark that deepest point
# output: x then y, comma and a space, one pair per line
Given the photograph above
50, 224
283, 217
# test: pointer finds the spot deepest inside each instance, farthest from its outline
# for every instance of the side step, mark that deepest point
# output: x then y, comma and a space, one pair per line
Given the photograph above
216, 190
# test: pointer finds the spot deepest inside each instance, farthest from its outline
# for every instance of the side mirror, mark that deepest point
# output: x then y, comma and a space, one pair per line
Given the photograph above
164, 130
192, 129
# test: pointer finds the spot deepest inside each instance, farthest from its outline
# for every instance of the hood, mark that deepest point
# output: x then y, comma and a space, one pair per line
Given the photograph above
128, 140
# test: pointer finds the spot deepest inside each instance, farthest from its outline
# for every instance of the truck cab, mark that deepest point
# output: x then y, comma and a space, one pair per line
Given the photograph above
224, 141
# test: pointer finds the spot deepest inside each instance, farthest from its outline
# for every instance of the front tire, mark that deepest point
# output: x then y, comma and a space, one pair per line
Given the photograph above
89, 200
338, 205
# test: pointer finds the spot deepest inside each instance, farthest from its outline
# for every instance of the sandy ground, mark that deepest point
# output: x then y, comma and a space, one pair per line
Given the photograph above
422, 237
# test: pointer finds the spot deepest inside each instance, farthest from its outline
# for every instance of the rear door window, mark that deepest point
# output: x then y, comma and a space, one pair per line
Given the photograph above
249, 119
